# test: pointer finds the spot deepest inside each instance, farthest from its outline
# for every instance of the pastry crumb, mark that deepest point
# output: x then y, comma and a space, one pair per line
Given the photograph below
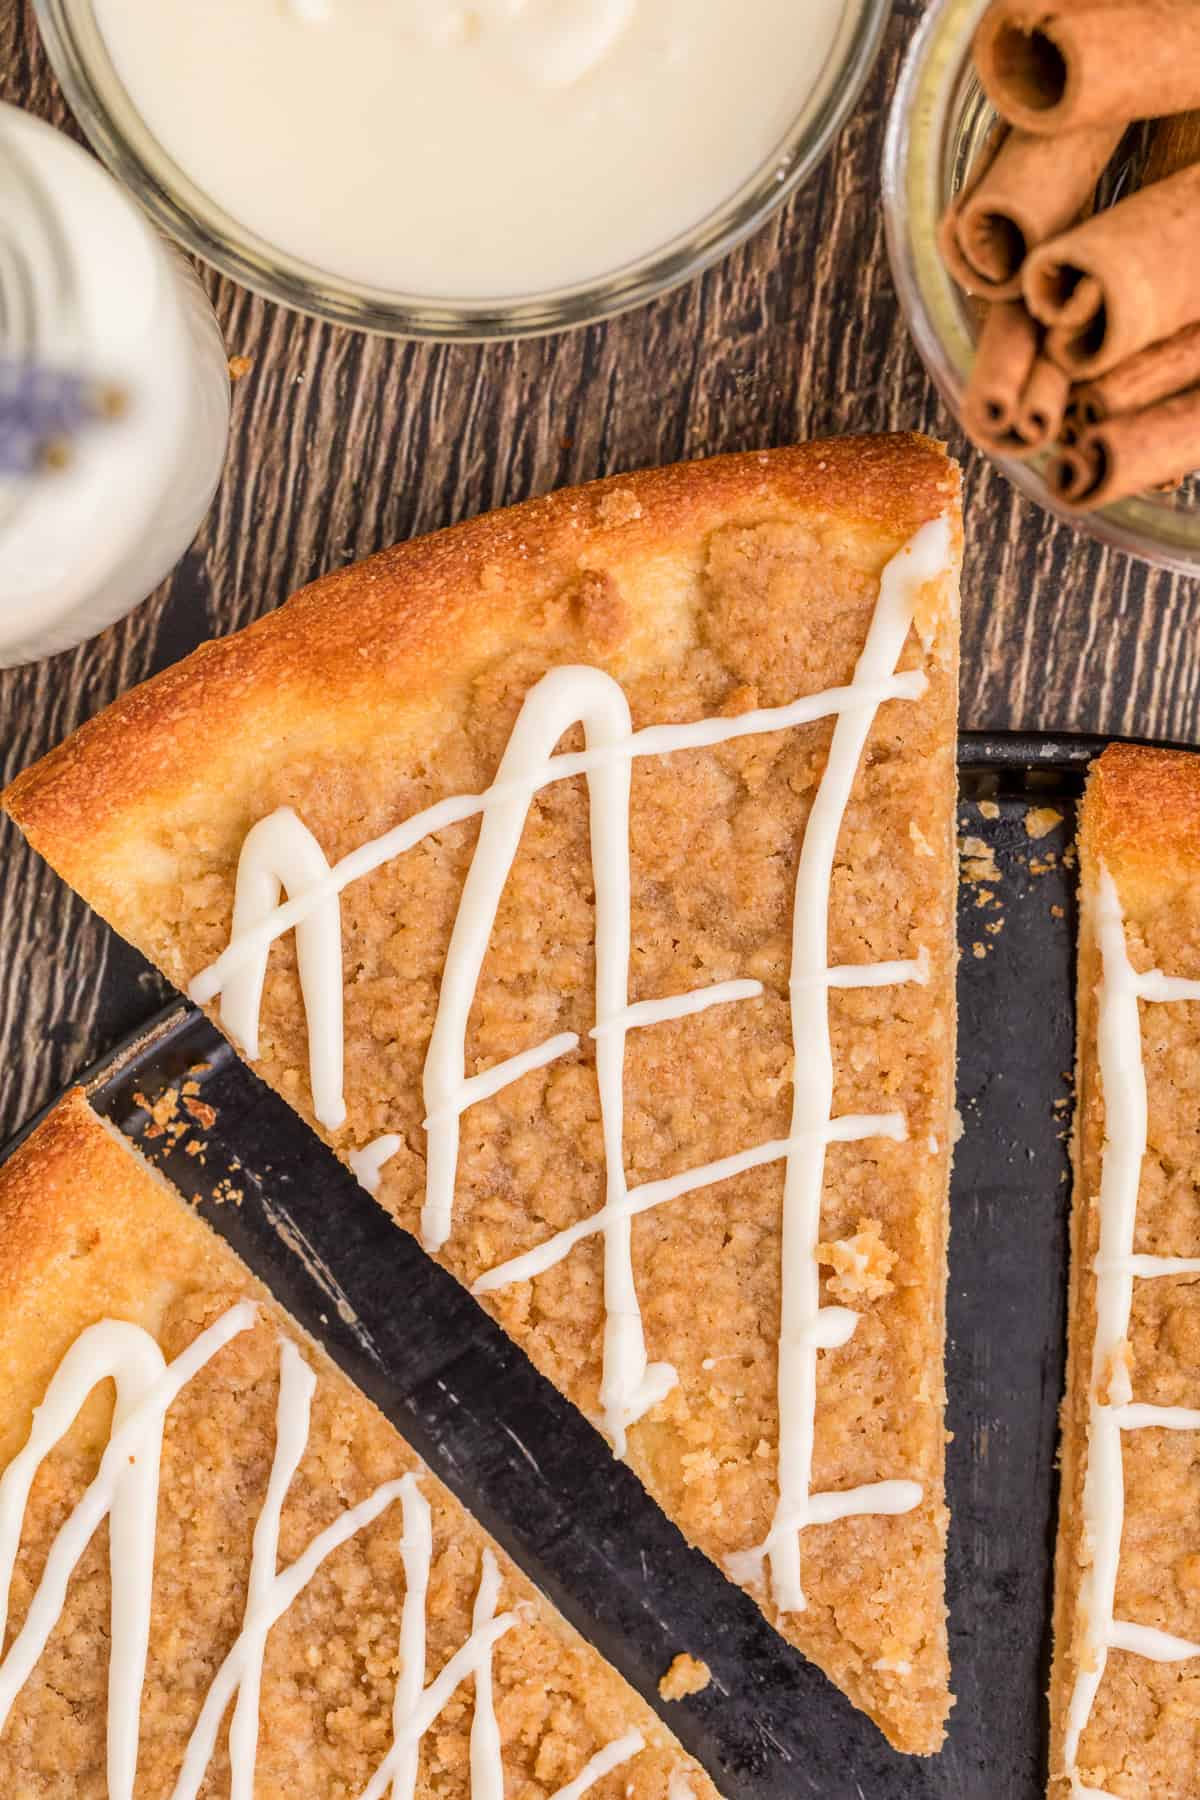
978, 860
162, 1111
686, 1675
861, 1263
988, 809
1041, 819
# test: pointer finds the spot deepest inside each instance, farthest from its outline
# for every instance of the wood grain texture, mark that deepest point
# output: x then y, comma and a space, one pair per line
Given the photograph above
343, 443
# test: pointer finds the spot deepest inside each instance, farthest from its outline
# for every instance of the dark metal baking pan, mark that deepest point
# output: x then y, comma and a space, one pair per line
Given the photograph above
769, 1727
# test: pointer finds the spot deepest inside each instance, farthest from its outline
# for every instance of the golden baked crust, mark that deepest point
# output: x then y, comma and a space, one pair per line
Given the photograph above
717, 587
1141, 820
88, 1231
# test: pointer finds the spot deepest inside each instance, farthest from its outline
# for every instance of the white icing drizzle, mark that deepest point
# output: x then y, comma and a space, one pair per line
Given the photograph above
417, 1554
882, 1498
281, 852
552, 706
848, 1129
368, 1162
564, 697
866, 975
1146, 1268
1148, 1641
246, 946
631, 1386
135, 1363
416, 1706
679, 1006
1111, 1408
269, 1594
602, 1764
833, 1327
297, 1384
487, 1767
1159, 1418
125, 1490
490, 1081
467, 1660
925, 557
1154, 985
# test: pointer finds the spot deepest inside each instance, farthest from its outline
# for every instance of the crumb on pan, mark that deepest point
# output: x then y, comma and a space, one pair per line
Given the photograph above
686, 1675
978, 860
1041, 819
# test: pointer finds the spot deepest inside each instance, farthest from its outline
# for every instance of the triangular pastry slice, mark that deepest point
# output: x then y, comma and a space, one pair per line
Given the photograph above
616, 831
1125, 1683
242, 1581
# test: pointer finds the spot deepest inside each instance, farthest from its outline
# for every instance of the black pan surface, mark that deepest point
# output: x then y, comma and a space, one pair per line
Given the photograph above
769, 1727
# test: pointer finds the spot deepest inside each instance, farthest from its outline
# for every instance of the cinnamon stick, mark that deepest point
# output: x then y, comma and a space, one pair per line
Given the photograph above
1042, 405
1153, 374
1174, 144
1024, 192
1121, 456
1015, 398
1125, 278
1052, 67
1005, 360
1072, 474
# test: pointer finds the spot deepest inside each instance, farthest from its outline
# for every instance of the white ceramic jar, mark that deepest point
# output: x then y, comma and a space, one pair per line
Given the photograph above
87, 286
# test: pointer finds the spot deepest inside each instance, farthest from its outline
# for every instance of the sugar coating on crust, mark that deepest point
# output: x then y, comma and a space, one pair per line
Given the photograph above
1141, 818
733, 585
87, 1231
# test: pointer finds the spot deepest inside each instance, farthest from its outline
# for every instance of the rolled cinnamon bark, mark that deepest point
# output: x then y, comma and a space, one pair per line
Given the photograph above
1049, 67
1125, 278
1118, 457
1024, 192
1072, 473
1153, 374
1042, 405
1004, 359
1174, 144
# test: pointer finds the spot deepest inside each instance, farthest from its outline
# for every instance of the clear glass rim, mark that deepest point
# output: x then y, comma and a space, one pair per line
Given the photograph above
124, 143
931, 78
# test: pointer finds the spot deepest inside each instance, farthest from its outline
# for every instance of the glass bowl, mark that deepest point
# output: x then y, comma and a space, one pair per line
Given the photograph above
938, 123
117, 132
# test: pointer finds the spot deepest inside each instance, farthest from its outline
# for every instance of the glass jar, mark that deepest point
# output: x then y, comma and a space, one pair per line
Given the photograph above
939, 121
89, 289
85, 69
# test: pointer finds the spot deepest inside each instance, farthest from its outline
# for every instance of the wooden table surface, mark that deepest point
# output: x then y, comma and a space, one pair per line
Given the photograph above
343, 443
